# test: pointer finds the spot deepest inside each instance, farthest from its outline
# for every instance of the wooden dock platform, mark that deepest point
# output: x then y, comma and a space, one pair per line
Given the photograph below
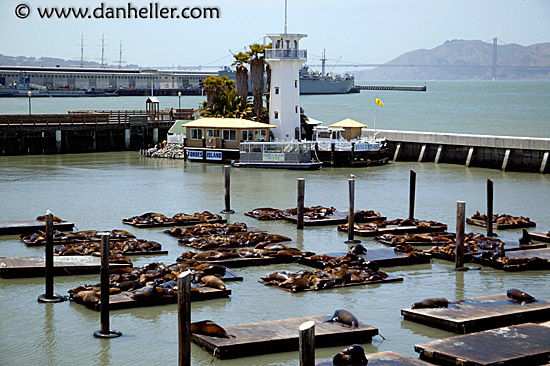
526, 344
384, 257
396, 229
496, 226
339, 217
542, 263
388, 358
20, 267
480, 313
281, 336
544, 237
249, 262
31, 226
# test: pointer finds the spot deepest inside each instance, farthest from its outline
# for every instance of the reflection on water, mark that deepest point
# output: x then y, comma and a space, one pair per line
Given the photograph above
97, 190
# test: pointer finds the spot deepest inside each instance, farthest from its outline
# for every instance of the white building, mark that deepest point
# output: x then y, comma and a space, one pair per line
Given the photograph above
285, 59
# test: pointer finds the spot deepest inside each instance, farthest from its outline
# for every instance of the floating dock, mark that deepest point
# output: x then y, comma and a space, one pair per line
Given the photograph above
544, 237
542, 263
249, 262
480, 313
526, 344
497, 226
281, 336
20, 267
388, 358
348, 284
339, 217
384, 257
29, 227
396, 229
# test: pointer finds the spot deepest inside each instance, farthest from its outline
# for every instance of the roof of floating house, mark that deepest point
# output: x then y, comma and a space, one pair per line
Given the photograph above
237, 123
347, 123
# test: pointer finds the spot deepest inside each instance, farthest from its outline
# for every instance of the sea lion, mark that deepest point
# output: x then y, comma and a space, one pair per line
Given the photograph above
358, 249
353, 355
518, 295
345, 317
213, 281
525, 238
436, 302
209, 328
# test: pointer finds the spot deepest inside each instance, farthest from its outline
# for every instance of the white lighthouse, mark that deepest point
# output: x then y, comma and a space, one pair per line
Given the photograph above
285, 59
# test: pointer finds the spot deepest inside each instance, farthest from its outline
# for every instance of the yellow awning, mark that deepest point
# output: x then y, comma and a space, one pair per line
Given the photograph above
237, 123
348, 122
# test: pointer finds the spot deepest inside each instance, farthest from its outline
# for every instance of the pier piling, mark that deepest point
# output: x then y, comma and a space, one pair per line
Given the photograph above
489, 208
227, 174
105, 331
412, 192
184, 319
307, 343
300, 203
49, 296
351, 213
460, 221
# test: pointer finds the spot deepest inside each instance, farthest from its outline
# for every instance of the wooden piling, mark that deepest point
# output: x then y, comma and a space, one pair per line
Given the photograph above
227, 173
300, 203
460, 222
489, 208
184, 318
105, 331
307, 343
412, 192
49, 296
351, 211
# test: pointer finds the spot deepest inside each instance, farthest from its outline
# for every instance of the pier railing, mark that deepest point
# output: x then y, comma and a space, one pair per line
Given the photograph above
285, 54
48, 121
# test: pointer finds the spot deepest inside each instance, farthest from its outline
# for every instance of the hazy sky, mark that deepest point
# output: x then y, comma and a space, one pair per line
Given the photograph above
358, 31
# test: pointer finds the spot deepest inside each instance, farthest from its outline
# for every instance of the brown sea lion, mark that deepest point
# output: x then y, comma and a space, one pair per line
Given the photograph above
358, 249
213, 281
525, 238
344, 317
436, 302
353, 355
209, 328
518, 295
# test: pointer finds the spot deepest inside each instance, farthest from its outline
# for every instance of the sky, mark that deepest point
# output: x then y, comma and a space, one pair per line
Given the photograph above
352, 31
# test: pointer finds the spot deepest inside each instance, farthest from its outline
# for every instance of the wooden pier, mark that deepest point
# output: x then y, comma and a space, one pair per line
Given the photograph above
21, 267
388, 358
544, 237
31, 226
526, 344
384, 257
480, 313
281, 336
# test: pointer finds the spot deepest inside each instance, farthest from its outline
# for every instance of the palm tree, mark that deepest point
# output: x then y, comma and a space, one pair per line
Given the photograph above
256, 55
214, 86
242, 74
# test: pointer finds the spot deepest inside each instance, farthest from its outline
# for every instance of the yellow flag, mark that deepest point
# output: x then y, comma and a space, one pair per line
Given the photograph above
378, 102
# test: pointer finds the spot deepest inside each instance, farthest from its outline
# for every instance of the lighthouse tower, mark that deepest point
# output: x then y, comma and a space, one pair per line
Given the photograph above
285, 59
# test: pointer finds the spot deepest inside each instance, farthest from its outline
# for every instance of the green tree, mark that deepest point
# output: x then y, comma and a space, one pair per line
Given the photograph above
214, 86
241, 59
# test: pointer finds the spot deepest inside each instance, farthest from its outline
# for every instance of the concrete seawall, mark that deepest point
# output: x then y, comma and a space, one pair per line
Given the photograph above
525, 154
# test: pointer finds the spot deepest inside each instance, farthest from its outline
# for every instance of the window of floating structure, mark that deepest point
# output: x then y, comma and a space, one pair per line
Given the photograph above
212, 133
276, 90
260, 135
276, 115
296, 109
295, 83
248, 135
229, 135
196, 134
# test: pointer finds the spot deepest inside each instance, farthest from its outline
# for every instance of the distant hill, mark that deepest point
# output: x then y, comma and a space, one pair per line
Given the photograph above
460, 54
49, 62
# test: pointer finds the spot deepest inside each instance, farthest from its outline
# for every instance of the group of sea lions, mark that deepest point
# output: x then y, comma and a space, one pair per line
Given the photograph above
378, 224
154, 281
504, 219
240, 239
39, 238
157, 219
201, 230
313, 213
433, 238
116, 247
271, 250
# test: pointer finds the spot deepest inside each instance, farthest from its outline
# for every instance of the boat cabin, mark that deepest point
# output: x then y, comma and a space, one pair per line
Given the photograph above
352, 129
222, 133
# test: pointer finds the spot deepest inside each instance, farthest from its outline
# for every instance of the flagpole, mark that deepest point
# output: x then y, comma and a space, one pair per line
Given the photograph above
374, 129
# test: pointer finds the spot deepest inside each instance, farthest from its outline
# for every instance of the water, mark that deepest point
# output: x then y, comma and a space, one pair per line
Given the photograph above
97, 190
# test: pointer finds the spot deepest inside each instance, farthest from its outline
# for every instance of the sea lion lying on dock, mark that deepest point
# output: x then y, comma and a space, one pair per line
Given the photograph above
209, 328
353, 355
520, 296
344, 317
436, 302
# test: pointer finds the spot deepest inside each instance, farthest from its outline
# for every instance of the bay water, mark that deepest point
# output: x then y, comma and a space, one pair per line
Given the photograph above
97, 190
